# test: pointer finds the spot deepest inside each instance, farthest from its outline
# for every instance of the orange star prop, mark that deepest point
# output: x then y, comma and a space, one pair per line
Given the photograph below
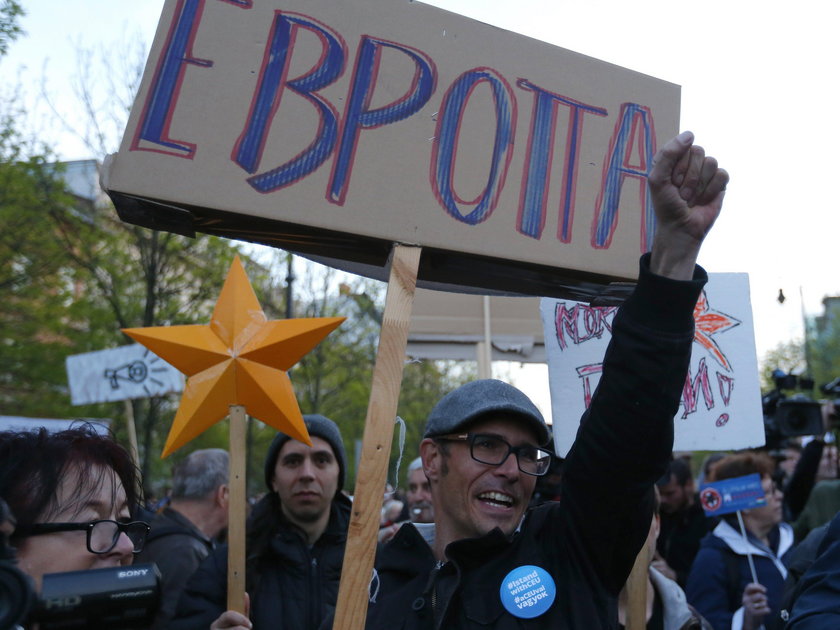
240, 358
708, 322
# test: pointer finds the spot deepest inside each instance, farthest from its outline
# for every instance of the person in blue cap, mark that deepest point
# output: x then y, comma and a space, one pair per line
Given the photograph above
295, 542
487, 561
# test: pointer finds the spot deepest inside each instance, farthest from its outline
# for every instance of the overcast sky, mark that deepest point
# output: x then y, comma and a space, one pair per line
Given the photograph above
758, 89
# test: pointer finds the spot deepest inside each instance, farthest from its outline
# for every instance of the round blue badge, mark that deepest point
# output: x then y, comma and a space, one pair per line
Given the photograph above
527, 591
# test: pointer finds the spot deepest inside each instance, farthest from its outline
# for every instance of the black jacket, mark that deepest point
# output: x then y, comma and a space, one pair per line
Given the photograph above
297, 589
177, 547
587, 542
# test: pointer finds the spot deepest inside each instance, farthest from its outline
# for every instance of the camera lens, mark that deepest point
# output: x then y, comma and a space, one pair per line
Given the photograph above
16, 595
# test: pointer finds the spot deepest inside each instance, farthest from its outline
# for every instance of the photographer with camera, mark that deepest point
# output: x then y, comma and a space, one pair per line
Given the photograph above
71, 495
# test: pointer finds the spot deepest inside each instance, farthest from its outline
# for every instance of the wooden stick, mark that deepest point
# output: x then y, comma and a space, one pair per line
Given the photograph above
236, 511
132, 432
636, 618
351, 609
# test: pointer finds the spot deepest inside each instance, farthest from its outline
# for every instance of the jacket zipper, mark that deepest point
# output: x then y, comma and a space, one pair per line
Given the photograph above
435, 573
314, 590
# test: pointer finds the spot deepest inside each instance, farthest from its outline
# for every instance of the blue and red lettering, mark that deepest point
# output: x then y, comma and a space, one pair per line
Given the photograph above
358, 115
540, 149
446, 140
633, 131
270, 89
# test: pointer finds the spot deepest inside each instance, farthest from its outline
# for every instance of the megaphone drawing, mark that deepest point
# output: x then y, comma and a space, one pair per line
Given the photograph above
136, 372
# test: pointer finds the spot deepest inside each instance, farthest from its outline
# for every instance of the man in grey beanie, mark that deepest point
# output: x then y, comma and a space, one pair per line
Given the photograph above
489, 562
295, 541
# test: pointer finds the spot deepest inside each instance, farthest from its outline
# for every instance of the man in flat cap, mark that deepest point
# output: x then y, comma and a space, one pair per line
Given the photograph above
486, 562
295, 542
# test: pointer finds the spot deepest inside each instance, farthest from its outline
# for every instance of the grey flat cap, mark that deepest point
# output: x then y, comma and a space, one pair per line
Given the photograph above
470, 402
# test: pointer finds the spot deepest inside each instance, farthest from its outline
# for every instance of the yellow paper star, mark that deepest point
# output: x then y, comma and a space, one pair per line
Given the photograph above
240, 358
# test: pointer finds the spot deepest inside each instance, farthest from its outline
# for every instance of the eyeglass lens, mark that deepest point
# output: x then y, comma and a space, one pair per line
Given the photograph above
492, 450
104, 535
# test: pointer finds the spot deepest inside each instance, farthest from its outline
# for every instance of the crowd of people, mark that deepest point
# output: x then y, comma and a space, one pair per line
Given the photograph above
492, 530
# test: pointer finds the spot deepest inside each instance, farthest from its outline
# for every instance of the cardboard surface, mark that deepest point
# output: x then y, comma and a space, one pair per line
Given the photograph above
337, 128
720, 407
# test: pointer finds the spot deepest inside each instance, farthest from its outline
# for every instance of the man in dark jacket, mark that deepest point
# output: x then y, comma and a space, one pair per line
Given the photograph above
683, 522
295, 542
817, 605
561, 566
184, 532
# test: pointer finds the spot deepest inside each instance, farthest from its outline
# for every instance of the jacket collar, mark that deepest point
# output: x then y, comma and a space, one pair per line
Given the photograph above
735, 541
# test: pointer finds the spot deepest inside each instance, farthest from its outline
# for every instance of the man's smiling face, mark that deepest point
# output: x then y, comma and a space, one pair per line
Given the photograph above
471, 498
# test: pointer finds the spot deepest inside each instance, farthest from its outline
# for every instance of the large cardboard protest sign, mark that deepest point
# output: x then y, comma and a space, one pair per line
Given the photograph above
720, 407
335, 129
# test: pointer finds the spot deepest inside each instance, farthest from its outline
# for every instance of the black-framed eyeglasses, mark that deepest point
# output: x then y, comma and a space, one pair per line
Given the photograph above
493, 451
102, 535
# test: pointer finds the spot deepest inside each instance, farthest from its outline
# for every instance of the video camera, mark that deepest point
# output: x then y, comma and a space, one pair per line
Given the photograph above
792, 416
832, 390
119, 598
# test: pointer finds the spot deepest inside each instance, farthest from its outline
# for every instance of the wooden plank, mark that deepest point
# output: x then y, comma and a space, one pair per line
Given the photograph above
236, 511
637, 592
351, 609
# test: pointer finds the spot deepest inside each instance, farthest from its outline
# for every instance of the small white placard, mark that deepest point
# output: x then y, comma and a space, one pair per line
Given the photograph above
119, 374
720, 408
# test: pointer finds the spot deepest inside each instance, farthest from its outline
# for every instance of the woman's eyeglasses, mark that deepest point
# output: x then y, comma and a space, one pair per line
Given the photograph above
102, 535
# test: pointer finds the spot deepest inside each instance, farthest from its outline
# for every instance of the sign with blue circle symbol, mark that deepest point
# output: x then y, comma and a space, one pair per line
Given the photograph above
527, 591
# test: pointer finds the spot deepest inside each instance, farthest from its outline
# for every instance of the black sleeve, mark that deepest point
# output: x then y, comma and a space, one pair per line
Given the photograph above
626, 436
204, 597
802, 480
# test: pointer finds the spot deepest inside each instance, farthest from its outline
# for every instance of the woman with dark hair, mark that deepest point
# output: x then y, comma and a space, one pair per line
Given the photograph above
72, 494
720, 584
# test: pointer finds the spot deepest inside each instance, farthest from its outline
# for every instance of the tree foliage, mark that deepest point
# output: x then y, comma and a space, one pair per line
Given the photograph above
787, 357
824, 349
10, 12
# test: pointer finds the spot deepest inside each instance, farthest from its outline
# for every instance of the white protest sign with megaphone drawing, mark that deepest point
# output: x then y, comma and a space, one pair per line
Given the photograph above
120, 374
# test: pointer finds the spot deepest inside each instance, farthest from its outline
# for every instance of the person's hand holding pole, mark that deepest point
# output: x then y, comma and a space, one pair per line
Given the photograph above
756, 606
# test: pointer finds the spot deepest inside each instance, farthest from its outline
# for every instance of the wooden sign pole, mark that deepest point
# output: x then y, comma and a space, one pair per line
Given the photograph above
351, 608
637, 592
236, 511
132, 431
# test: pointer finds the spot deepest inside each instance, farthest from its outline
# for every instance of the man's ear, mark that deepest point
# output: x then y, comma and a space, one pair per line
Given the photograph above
431, 456
222, 495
